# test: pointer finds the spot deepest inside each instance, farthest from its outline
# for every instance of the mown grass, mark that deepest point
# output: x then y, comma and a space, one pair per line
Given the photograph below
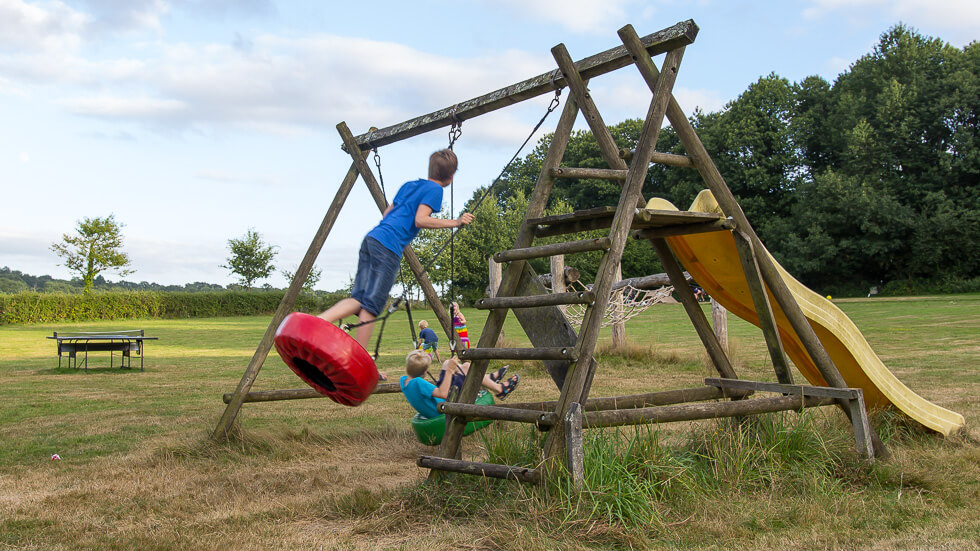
139, 472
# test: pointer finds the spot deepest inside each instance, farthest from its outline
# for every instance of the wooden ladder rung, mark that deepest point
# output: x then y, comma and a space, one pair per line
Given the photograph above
585, 214
493, 470
567, 247
534, 301
538, 353
595, 173
477, 411
669, 159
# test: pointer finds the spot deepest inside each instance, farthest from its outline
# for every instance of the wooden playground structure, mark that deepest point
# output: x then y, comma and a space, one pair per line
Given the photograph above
567, 351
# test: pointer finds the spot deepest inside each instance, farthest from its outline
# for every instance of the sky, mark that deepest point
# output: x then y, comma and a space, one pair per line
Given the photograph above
192, 121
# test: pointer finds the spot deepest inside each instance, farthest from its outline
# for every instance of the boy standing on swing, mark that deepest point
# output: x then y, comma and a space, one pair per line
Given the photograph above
381, 250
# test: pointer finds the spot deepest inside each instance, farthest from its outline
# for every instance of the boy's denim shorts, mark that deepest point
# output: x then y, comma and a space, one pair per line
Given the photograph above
377, 268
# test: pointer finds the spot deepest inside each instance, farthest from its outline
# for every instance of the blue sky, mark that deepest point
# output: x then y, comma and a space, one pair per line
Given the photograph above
193, 120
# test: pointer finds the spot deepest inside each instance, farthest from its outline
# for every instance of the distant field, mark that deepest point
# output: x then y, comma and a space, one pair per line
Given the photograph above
137, 470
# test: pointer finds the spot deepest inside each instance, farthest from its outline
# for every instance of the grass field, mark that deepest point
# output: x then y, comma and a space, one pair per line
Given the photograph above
138, 470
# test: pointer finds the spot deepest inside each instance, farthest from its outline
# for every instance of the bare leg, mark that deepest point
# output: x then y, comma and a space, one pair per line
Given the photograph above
363, 334
344, 308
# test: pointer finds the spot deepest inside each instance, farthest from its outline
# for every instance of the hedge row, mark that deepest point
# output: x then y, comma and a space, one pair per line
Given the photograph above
23, 308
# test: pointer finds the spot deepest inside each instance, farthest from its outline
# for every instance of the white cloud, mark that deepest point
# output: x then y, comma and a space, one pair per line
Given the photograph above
225, 177
25, 157
40, 27
947, 14
124, 107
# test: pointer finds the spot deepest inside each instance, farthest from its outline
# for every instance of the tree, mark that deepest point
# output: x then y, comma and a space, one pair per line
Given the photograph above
96, 247
311, 280
251, 258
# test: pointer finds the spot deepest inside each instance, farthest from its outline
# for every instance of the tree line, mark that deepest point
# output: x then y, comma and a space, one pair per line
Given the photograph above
869, 179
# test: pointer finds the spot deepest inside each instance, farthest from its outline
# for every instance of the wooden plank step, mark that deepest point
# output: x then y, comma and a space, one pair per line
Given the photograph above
586, 214
601, 217
480, 412
534, 301
539, 353
568, 247
493, 470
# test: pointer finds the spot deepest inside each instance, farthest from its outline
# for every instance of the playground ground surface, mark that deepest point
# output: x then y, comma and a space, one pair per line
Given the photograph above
137, 469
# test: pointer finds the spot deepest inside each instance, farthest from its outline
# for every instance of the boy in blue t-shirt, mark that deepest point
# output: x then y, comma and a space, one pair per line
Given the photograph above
425, 396
428, 340
381, 249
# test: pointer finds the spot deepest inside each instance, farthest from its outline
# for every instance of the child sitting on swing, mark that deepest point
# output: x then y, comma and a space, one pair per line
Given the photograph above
425, 396
381, 249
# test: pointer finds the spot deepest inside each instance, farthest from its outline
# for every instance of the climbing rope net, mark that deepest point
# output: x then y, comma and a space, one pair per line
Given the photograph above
624, 304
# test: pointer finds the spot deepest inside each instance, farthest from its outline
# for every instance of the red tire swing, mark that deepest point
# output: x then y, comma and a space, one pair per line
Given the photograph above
327, 358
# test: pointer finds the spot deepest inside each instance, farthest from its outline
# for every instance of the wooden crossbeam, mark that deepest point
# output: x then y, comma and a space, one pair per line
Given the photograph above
678, 35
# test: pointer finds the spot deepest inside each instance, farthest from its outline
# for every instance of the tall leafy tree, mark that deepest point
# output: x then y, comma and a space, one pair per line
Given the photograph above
96, 246
251, 258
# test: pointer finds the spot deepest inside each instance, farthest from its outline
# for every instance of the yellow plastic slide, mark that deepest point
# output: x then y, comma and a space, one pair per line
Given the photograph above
712, 259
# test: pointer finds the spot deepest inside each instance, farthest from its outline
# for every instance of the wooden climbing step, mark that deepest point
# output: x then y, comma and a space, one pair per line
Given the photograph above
537, 353
535, 301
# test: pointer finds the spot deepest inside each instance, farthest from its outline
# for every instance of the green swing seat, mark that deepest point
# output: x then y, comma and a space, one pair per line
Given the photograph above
430, 430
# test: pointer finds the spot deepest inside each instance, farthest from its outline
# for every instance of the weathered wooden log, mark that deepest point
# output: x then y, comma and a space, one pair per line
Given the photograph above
668, 159
574, 454
539, 353
680, 34
595, 173
654, 281
492, 470
662, 398
300, 393
477, 412
691, 412
568, 247
553, 299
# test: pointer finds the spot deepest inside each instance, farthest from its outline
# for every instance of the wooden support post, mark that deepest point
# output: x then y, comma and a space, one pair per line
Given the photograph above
767, 322
693, 308
285, 307
618, 308
495, 273
512, 275
558, 274
574, 452
719, 323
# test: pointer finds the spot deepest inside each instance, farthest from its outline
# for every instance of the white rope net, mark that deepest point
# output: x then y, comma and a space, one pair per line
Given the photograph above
625, 303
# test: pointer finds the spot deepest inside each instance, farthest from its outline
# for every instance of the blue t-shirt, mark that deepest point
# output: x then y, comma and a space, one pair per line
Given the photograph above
398, 228
418, 392
429, 337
